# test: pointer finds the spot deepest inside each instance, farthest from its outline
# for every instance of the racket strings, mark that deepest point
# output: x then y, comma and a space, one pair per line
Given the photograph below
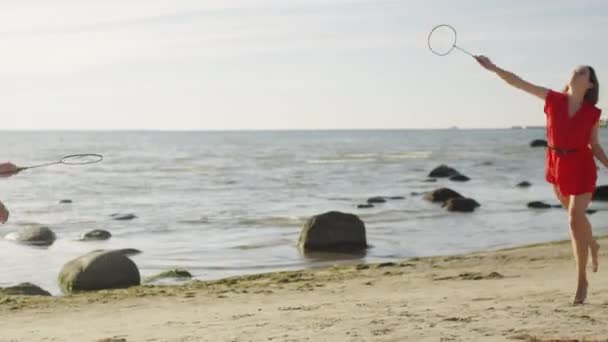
80, 159
442, 39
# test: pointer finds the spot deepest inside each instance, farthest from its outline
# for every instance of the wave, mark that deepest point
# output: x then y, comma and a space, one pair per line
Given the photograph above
273, 221
371, 157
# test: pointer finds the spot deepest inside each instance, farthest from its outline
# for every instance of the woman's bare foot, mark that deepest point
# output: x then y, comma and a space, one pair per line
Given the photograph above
581, 294
595, 248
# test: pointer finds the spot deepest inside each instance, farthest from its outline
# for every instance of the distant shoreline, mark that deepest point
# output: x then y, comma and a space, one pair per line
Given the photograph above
268, 130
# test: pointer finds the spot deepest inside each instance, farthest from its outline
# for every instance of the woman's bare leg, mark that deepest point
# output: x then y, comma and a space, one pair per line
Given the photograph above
580, 232
594, 246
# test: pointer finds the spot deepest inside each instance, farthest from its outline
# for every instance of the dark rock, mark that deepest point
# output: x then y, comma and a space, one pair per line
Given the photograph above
123, 217
601, 193
365, 206
97, 234
441, 195
523, 184
538, 143
396, 198
430, 180
98, 270
443, 171
538, 205
175, 273
461, 204
460, 178
65, 201
24, 289
33, 235
376, 200
333, 231
128, 251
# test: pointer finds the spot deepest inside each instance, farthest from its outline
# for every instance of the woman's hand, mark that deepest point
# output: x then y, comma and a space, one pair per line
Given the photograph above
3, 213
486, 63
8, 169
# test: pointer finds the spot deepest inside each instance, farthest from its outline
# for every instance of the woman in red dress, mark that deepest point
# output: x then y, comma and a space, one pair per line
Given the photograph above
572, 134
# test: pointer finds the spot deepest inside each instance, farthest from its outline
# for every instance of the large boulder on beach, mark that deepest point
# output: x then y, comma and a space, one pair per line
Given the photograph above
443, 171
99, 270
538, 143
33, 235
333, 231
441, 195
465, 205
24, 289
601, 193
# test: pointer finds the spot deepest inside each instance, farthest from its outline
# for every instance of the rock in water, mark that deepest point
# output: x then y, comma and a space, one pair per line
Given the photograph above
96, 234
441, 195
176, 273
443, 171
539, 205
601, 193
538, 143
460, 178
461, 204
33, 235
333, 231
123, 217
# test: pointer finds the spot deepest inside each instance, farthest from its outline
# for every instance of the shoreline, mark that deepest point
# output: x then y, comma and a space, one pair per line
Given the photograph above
514, 293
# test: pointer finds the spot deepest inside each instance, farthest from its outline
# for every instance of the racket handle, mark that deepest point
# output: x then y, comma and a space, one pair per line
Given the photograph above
463, 50
19, 169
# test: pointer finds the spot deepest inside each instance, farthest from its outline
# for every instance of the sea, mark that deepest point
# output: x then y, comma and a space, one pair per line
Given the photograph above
226, 203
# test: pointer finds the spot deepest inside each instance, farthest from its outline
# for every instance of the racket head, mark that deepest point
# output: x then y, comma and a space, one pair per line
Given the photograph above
442, 39
81, 159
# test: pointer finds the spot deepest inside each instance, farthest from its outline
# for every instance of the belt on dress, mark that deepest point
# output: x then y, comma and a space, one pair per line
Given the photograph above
562, 151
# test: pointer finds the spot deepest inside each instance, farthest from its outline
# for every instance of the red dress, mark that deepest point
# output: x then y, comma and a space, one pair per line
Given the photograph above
573, 171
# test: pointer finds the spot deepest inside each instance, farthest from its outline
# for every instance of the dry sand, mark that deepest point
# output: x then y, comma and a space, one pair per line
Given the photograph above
508, 295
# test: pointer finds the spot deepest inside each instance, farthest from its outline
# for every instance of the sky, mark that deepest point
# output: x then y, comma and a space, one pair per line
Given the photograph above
286, 64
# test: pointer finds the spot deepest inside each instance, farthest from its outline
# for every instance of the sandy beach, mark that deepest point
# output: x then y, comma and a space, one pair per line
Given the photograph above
513, 294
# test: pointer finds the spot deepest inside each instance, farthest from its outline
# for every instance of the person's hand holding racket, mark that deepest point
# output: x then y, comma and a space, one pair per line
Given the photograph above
486, 63
8, 169
3, 213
